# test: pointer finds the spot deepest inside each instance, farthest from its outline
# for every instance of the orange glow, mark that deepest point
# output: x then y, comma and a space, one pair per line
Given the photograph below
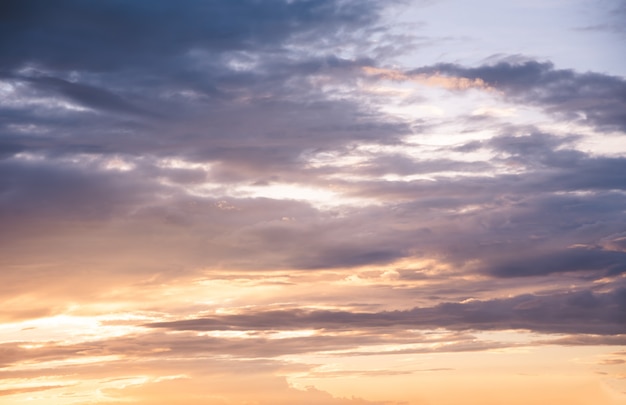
435, 80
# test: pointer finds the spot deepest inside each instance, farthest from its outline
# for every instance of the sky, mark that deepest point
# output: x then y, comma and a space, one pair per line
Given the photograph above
322, 202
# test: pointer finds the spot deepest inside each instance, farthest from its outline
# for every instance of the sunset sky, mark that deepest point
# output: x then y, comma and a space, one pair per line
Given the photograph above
318, 202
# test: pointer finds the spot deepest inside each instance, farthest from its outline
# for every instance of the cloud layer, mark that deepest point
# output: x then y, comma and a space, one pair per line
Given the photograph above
250, 183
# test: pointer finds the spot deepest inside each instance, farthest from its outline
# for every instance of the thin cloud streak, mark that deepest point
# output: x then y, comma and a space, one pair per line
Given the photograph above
580, 312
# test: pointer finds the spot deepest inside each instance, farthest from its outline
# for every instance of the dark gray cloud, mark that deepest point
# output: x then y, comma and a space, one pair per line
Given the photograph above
176, 80
105, 36
253, 91
86, 95
562, 212
576, 312
595, 98
404, 165
37, 190
564, 215
140, 144
574, 259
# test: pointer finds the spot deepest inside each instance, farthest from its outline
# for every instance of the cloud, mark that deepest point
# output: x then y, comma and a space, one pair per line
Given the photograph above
158, 347
587, 340
223, 391
213, 195
563, 215
612, 362
573, 259
246, 69
433, 79
86, 95
577, 312
594, 98
72, 35
13, 391
139, 369
175, 81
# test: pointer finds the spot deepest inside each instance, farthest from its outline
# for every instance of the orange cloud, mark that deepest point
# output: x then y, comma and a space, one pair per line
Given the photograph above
433, 80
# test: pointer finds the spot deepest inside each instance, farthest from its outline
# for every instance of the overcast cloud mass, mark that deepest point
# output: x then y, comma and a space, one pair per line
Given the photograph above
320, 202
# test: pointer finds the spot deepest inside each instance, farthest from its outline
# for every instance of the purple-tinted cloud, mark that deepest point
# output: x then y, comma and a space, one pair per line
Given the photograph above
599, 98
578, 312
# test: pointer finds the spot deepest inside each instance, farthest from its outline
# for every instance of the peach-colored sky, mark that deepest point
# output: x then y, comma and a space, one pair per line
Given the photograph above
329, 202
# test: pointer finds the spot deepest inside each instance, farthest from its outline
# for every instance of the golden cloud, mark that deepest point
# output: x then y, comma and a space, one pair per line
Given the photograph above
433, 80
